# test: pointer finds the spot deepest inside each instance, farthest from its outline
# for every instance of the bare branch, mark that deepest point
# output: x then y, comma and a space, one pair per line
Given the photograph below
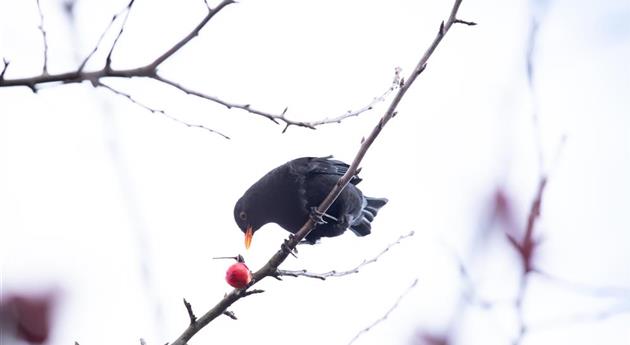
270, 268
396, 83
100, 39
386, 315
108, 60
246, 107
6, 63
191, 315
158, 111
192, 34
470, 295
150, 71
334, 273
44, 37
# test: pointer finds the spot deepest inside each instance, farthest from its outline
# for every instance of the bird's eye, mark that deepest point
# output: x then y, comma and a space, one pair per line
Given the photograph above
242, 215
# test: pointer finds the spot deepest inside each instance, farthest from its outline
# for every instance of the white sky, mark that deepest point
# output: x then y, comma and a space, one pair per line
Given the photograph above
94, 190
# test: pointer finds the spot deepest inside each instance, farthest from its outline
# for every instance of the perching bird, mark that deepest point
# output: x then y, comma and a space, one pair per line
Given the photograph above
290, 193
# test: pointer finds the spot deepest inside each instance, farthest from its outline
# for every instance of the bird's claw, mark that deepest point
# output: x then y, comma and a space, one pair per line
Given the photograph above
285, 247
318, 217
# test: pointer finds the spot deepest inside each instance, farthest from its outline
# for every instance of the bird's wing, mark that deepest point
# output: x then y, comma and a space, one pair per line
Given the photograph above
328, 166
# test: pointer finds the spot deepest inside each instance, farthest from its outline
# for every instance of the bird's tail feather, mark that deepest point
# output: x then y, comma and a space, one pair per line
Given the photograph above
363, 226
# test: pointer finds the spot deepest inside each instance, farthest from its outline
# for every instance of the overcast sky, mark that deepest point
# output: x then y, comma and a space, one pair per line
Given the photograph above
119, 210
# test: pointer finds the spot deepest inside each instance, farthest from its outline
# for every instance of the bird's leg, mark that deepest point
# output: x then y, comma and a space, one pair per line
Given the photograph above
318, 217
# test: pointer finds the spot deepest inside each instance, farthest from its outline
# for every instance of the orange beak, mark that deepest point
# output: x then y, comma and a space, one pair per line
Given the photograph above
249, 233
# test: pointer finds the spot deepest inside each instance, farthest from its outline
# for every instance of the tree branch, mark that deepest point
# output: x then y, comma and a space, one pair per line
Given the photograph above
6, 63
158, 111
108, 60
191, 315
386, 315
150, 71
177, 46
337, 119
100, 39
334, 273
270, 268
44, 38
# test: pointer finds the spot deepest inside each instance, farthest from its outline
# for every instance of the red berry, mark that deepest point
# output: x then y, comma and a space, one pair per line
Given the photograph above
238, 275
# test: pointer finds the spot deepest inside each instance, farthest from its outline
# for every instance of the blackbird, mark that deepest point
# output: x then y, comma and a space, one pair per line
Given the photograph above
290, 193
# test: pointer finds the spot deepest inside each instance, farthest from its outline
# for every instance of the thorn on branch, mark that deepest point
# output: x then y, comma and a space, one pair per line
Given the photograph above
465, 22
421, 69
191, 315
253, 292
441, 31
229, 313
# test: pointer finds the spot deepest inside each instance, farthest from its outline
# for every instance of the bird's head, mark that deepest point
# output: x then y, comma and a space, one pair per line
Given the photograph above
242, 217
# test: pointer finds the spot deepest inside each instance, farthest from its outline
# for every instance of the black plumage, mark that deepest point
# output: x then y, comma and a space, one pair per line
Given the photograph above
288, 194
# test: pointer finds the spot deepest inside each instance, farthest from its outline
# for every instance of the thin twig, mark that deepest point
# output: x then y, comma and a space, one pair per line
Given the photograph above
246, 107
44, 37
191, 315
270, 268
150, 71
5, 66
386, 315
353, 113
100, 39
158, 111
108, 60
195, 32
334, 273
